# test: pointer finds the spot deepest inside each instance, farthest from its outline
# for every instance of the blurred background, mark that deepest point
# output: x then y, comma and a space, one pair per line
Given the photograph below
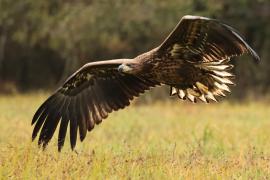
42, 42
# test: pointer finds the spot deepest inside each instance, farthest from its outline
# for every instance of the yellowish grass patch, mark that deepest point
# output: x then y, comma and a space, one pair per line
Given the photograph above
161, 140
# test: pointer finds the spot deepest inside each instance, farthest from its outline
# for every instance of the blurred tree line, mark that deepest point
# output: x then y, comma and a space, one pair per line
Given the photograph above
42, 42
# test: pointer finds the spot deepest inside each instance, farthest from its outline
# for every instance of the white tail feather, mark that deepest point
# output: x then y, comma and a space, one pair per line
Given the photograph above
214, 82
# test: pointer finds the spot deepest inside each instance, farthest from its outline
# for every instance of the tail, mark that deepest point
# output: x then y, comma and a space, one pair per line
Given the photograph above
210, 80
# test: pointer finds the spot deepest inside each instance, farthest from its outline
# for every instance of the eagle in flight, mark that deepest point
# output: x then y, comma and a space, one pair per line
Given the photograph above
194, 61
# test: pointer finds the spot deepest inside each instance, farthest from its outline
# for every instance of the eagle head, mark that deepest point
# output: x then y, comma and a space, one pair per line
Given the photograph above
129, 68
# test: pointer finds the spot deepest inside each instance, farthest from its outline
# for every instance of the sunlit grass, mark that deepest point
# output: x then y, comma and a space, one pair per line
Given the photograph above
161, 140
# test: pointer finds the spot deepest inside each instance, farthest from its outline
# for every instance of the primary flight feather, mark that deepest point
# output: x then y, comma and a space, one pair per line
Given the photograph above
194, 61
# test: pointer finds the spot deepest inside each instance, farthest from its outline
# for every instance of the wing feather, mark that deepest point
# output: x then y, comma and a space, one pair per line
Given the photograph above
203, 39
85, 118
81, 118
39, 123
73, 122
85, 99
43, 107
51, 122
103, 100
93, 109
96, 108
204, 47
63, 125
49, 106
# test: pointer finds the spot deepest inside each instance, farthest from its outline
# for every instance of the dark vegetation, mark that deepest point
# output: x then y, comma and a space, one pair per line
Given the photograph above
42, 42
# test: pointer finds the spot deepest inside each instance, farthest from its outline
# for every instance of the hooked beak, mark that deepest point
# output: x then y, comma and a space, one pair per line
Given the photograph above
123, 68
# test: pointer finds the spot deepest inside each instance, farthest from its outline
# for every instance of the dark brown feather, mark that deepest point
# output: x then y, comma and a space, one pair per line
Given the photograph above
63, 125
84, 100
81, 118
198, 37
91, 121
73, 122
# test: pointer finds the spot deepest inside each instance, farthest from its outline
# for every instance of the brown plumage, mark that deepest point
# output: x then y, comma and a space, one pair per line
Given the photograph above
193, 61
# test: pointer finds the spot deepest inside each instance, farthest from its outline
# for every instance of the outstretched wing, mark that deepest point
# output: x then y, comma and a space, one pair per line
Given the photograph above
206, 47
198, 38
85, 99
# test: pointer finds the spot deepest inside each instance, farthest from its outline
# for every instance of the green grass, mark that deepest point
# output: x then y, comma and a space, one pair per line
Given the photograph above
172, 140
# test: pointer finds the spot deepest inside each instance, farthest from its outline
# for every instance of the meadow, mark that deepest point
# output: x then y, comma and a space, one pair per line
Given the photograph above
172, 140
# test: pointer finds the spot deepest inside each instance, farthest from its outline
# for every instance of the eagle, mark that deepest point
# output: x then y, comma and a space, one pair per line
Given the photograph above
194, 61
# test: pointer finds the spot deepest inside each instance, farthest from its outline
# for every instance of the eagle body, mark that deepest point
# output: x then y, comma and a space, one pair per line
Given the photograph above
194, 60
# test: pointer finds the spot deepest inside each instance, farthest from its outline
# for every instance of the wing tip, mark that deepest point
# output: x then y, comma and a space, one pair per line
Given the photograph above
59, 148
34, 136
252, 52
33, 121
254, 55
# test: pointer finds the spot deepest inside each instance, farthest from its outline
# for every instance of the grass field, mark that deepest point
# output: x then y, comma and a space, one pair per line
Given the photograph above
172, 140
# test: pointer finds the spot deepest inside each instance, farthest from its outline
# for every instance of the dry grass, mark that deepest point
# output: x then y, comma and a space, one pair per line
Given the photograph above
162, 140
